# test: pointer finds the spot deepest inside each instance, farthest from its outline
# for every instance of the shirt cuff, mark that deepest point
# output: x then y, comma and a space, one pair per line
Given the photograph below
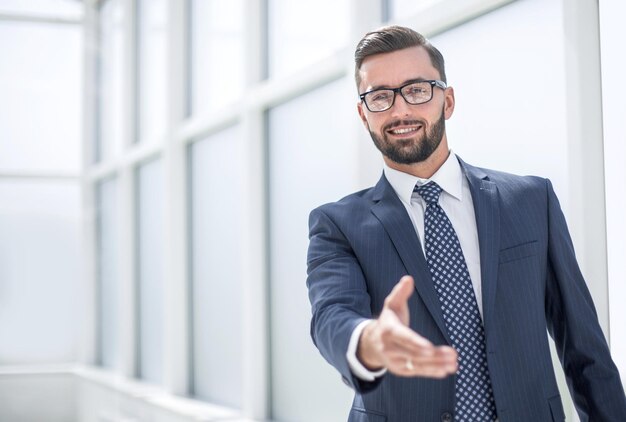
357, 368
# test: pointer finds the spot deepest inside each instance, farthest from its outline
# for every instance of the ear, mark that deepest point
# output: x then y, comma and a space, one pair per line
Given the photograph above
359, 107
449, 102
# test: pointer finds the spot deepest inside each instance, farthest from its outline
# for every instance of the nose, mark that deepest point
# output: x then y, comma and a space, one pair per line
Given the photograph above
400, 107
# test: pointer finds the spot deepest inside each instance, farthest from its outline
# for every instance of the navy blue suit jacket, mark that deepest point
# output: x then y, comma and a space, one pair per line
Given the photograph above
362, 245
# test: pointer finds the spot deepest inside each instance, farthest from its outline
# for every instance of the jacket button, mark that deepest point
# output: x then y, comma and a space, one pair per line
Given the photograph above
446, 417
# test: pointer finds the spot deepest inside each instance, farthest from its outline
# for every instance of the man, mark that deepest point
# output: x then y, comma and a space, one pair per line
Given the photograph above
432, 291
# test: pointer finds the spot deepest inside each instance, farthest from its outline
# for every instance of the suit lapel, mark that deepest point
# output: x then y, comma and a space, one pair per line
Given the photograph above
393, 216
487, 211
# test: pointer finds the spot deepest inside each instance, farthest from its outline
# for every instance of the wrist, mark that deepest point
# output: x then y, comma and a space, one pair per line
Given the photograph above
366, 353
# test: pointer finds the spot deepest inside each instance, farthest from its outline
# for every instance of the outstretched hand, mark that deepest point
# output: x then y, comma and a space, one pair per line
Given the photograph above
389, 342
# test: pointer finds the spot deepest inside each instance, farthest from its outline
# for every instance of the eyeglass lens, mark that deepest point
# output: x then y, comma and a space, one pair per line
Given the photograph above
415, 93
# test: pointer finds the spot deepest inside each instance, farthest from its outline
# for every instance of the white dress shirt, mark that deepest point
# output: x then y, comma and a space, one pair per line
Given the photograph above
456, 201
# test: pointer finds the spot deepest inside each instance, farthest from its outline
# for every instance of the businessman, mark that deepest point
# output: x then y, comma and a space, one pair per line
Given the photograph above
433, 292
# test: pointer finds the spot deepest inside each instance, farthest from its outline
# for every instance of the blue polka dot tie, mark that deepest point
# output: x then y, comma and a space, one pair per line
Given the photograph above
474, 396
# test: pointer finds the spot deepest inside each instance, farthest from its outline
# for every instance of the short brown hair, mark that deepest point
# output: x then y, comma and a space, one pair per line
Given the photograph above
393, 38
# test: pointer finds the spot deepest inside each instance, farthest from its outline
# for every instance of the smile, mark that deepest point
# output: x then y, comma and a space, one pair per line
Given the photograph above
404, 130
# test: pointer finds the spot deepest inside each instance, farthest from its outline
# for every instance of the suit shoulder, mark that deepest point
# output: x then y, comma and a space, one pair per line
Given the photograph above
348, 204
519, 192
515, 182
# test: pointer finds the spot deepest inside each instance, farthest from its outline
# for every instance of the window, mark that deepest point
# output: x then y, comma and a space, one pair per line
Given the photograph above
68, 9
303, 32
109, 284
307, 168
152, 69
150, 269
217, 207
40, 275
40, 104
217, 54
112, 108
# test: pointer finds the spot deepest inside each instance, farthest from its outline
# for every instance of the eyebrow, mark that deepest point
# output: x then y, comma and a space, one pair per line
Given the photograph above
408, 81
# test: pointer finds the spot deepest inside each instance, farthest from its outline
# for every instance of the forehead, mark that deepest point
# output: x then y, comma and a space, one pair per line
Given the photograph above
393, 69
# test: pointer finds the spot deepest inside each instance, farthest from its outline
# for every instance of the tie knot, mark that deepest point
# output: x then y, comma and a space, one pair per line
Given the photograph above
430, 192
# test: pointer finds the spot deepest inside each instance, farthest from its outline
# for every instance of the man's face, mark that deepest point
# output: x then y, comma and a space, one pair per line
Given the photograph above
405, 134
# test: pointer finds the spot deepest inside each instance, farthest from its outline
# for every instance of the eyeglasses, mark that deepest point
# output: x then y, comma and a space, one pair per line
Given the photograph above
413, 93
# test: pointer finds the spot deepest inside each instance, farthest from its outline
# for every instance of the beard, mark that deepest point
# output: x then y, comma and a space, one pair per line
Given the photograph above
410, 150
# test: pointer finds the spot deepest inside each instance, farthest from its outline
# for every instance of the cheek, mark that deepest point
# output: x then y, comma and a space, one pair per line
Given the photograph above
374, 124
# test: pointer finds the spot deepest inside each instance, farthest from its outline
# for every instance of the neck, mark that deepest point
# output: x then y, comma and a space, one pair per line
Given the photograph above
424, 169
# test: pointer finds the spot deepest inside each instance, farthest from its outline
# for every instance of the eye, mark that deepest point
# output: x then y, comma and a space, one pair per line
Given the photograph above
416, 90
379, 96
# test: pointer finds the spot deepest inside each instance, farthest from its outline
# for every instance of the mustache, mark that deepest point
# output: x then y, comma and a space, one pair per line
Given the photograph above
397, 123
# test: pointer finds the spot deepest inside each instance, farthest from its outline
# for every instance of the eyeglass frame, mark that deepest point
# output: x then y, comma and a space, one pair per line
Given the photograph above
433, 83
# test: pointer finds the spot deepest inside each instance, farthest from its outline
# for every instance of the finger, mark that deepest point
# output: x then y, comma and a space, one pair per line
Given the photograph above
401, 367
413, 352
448, 352
424, 365
425, 356
402, 336
402, 339
400, 293
436, 360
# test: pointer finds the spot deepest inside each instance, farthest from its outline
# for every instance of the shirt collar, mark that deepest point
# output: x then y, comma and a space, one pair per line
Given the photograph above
449, 177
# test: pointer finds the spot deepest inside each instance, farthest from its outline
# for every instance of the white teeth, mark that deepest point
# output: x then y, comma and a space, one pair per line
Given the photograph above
402, 131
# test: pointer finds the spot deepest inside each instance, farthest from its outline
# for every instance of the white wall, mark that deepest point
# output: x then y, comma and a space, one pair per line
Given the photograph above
81, 394
508, 71
36, 397
612, 35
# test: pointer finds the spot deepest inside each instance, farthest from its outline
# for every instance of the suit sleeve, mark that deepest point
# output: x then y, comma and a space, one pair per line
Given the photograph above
338, 295
592, 377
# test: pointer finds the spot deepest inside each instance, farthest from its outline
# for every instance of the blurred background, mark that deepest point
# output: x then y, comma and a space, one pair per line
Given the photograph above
159, 158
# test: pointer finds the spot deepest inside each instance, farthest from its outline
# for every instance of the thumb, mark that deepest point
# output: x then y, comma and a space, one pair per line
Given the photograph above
398, 299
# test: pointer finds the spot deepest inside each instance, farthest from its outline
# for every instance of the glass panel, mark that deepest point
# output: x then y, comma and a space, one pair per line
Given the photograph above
475, 130
108, 226
612, 32
323, 152
150, 223
152, 69
40, 100
111, 77
216, 212
401, 9
303, 32
40, 271
217, 61
70, 9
